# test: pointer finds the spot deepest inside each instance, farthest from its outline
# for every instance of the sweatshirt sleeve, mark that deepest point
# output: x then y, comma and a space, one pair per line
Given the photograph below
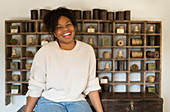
37, 75
93, 81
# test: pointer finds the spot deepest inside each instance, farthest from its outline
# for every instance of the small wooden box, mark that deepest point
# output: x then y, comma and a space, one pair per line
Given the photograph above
105, 42
151, 66
14, 29
14, 89
14, 65
90, 29
120, 29
151, 89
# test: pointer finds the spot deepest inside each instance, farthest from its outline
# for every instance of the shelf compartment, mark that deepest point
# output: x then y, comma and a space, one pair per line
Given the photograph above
139, 27
137, 77
156, 26
136, 88
120, 77
120, 88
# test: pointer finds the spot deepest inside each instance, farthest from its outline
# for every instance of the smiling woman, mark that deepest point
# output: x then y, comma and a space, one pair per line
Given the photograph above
63, 71
65, 33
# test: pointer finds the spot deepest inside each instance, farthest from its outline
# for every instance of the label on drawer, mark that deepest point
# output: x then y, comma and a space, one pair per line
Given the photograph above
104, 81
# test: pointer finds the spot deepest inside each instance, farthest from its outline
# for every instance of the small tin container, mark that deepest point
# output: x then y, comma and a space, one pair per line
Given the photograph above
34, 14
96, 13
77, 14
103, 14
110, 15
86, 14
127, 15
119, 15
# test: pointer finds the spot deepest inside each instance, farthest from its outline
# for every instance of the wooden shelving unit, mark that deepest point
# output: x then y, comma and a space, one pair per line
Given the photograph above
119, 81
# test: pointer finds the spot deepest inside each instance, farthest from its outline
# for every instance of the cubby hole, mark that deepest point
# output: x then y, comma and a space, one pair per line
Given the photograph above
13, 66
103, 64
136, 88
26, 64
88, 24
137, 40
120, 88
152, 65
150, 88
105, 41
8, 76
9, 88
106, 88
18, 24
121, 65
153, 88
13, 39
106, 27
119, 39
28, 52
78, 37
26, 40
137, 53
153, 53
121, 53
24, 89
13, 52
14, 74
124, 25
156, 27
41, 27
154, 74
90, 38
137, 77
79, 27
109, 75
120, 77
28, 27
137, 28
25, 76
134, 64
46, 38
153, 40
108, 51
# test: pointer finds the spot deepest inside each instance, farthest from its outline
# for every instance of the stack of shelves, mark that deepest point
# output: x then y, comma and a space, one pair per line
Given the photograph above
124, 80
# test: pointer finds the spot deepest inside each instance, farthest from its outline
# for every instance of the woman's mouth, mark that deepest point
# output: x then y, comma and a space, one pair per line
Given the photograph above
67, 35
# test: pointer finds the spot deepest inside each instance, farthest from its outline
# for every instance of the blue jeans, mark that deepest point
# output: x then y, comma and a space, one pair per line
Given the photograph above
45, 105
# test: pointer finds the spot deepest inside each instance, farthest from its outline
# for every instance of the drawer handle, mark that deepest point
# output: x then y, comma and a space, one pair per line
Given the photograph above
131, 105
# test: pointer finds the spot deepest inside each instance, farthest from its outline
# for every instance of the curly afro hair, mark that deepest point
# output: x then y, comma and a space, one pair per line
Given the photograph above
51, 18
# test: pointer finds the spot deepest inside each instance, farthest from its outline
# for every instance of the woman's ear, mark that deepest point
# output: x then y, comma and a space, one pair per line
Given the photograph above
55, 35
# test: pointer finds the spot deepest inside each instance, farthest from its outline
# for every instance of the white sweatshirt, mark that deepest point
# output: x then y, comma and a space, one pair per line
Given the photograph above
63, 75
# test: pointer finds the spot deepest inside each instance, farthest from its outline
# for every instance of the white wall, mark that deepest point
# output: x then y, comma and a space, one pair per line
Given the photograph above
140, 10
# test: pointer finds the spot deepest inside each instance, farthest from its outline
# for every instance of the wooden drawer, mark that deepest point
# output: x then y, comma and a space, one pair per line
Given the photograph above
131, 102
121, 106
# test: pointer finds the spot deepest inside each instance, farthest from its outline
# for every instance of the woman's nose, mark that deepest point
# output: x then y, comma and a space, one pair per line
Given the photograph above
65, 28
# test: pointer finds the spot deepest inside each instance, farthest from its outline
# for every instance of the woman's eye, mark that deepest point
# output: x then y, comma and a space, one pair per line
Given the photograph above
58, 27
68, 24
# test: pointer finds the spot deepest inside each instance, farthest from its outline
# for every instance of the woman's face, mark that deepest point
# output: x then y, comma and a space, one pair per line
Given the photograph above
65, 30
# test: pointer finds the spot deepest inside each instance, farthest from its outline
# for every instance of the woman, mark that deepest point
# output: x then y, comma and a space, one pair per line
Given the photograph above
63, 71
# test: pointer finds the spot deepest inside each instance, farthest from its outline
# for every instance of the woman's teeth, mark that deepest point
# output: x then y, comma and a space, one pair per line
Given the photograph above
66, 34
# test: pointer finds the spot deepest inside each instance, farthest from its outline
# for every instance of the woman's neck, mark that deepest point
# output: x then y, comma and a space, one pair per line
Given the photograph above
67, 46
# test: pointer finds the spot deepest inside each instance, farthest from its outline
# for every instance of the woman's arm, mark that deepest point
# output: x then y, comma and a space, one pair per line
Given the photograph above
95, 100
31, 102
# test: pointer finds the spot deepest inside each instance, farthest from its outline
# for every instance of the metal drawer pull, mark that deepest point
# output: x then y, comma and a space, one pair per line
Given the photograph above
131, 105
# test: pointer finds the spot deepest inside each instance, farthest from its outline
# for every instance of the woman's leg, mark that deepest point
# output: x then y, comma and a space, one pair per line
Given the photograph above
79, 106
45, 105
